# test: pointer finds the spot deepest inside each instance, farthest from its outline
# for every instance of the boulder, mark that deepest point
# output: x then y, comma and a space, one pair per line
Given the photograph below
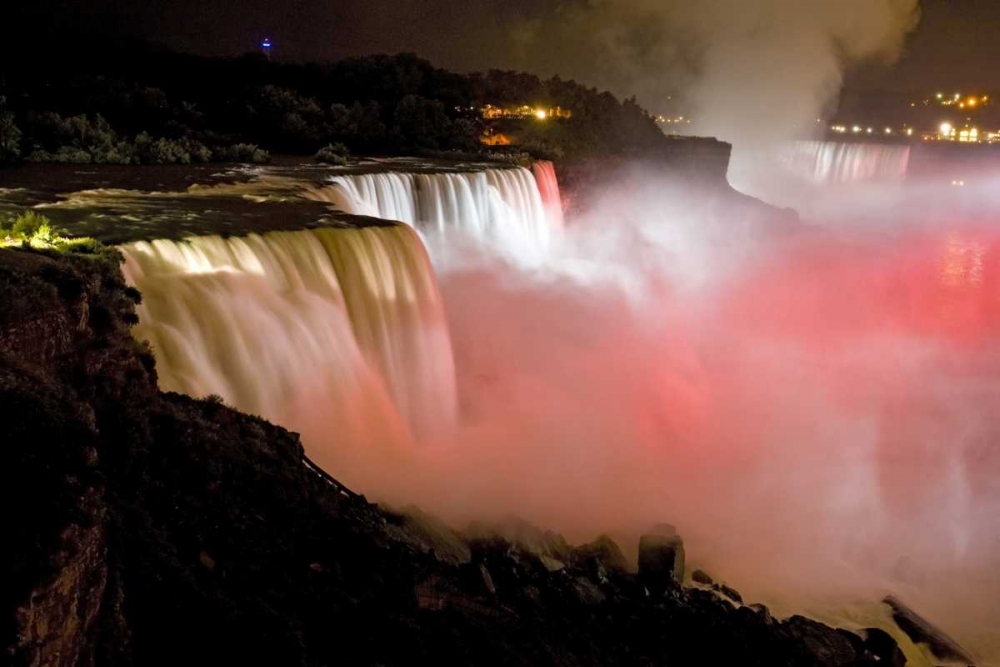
661, 561
764, 613
881, 645
729, 592
600, 558
701, 577
922, 631
825, 645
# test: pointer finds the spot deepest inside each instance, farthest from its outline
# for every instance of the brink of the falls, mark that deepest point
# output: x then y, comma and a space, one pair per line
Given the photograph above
516, 210
326, 331
836, 162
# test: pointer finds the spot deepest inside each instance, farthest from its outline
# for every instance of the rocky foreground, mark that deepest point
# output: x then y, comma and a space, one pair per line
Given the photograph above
152, 529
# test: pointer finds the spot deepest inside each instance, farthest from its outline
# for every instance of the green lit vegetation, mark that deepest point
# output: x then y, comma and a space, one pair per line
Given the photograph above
34, 231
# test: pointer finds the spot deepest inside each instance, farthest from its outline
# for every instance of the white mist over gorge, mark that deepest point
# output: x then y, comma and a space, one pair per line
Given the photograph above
811, 406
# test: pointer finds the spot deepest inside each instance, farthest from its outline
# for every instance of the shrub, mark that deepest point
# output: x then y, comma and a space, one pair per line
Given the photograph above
32, 225
335, 154
242, 153
33, 230
10, 135
170, 151
64, 155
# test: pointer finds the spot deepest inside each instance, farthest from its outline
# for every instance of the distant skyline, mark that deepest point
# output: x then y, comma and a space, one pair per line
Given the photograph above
955, 46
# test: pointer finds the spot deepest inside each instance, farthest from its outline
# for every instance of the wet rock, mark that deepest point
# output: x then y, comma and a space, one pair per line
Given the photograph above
487, 580
701, 577
661, 561
729, 592
416, 527
763, 612
526, 536
600, 558
880, 644
588, 593
827, 646
922, 631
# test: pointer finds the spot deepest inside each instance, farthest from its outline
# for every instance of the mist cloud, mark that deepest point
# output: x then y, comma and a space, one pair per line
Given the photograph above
751, 71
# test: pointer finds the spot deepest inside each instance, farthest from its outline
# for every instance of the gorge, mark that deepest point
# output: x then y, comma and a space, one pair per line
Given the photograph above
581, 374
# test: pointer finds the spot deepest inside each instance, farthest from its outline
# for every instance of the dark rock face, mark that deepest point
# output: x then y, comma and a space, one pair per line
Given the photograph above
153, 529
729, 592
881, 644
922, 631
701, 577
661, 562
600, 558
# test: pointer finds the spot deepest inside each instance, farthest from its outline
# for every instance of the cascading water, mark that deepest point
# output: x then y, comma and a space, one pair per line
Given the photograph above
835, 162
548, 186
514, 208
335, 329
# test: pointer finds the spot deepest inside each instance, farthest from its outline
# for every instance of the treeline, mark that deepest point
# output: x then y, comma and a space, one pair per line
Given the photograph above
132, 104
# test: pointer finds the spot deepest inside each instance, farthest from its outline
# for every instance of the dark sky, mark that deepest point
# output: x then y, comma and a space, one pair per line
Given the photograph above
956, 45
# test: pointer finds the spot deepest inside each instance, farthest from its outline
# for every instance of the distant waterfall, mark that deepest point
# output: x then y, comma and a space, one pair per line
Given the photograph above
341, 329
515, 208
835, 162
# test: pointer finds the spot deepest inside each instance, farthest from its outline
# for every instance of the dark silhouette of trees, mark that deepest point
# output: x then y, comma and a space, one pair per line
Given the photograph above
96, 105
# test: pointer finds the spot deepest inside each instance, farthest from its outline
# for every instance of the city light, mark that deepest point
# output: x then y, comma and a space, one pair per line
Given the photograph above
541, 114
946, 129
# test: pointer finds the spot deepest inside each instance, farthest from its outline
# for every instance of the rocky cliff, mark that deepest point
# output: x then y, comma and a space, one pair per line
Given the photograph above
153, 529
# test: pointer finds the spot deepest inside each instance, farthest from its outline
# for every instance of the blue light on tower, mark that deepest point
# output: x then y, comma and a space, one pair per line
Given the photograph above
266, 47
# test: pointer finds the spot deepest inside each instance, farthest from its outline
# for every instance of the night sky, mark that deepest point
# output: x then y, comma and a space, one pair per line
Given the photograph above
956, 45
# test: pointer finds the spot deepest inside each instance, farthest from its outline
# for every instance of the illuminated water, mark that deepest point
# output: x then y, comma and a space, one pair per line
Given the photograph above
837, 162
343, 326
514, 209
818, 419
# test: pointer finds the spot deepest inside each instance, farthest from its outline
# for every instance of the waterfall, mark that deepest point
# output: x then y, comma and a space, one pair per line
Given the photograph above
835, 162
335, 329
548, 187
517, 209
